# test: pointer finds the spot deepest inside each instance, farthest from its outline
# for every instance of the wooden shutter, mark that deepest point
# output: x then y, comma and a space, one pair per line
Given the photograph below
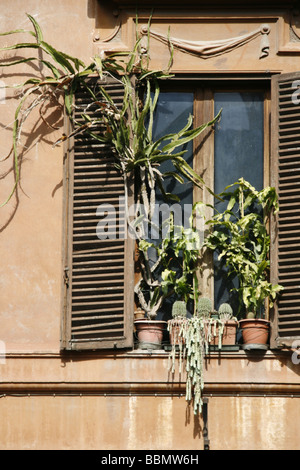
98, 273
285, 174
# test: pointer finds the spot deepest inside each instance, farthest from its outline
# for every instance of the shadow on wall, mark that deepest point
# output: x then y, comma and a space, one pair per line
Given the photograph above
49, 118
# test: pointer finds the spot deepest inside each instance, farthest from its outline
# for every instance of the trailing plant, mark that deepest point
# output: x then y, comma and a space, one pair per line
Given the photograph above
179, 317
240, 236
197, 334
195, 345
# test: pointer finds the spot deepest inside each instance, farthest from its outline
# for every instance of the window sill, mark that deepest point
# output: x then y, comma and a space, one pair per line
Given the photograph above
143, 372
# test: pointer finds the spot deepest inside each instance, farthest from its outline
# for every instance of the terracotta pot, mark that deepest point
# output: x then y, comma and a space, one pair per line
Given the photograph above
150, 333
255, 330
229, 334
174, 330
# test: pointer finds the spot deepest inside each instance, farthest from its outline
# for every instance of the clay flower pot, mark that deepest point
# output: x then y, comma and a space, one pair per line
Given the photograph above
229, 334
174, 327
150, 333
255, 331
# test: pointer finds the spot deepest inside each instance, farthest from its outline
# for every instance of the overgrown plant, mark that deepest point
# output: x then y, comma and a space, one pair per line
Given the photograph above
127, 127
240, 235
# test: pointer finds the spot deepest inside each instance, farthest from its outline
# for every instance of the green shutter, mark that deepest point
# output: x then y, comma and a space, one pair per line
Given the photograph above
99, 273
285, 175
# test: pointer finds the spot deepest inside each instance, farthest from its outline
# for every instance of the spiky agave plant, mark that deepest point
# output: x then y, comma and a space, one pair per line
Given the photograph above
128, 128
128, 133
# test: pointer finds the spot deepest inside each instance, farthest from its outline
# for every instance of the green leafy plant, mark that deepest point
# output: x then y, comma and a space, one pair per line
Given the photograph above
169, 267
240, 236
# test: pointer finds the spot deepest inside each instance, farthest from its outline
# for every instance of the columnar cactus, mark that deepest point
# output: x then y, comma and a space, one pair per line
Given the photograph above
225, 311
204, 307
179, 309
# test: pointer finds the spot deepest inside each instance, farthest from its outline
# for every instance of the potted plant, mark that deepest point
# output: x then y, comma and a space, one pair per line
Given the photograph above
175, 326
219, 326
168, 269
240, 236
198, 333
179, 315
225, 325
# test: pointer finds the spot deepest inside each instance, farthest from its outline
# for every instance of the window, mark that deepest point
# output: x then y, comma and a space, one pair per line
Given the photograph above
238, 147
99, 273
238, 152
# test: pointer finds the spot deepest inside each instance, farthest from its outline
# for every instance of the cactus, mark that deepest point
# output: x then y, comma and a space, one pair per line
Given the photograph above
251, 315
204, 307
225, 311
179, 309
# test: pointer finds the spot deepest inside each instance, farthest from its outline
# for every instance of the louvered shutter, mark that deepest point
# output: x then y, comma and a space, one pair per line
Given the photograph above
285, 175
99, 271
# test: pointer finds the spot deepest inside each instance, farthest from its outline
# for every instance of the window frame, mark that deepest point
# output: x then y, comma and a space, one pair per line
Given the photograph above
204, 87
203, 159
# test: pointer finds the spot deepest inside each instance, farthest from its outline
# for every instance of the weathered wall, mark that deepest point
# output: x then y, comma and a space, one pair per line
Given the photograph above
111, 402
130, 402
31, 224
122, 423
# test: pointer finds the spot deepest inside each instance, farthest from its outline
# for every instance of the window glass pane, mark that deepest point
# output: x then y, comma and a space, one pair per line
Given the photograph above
238, 153
239, 139
172, 113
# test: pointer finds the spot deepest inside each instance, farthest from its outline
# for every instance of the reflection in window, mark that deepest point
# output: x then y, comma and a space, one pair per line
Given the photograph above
172, 113
238, 153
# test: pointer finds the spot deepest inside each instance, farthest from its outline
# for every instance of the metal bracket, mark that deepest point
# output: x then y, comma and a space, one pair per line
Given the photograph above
205, 423
66, 276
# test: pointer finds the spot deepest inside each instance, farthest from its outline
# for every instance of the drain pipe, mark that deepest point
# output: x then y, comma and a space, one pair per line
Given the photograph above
205, 423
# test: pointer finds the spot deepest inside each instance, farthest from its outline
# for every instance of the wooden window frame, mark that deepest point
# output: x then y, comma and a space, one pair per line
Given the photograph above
203, 149
204, 87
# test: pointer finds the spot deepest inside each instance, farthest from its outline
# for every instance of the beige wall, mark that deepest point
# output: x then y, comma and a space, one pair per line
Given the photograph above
31, 237
122, 423
131, 402
103, 401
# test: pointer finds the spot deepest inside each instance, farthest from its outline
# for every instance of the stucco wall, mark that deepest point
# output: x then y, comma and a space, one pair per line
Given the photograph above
122, 423
31, 223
